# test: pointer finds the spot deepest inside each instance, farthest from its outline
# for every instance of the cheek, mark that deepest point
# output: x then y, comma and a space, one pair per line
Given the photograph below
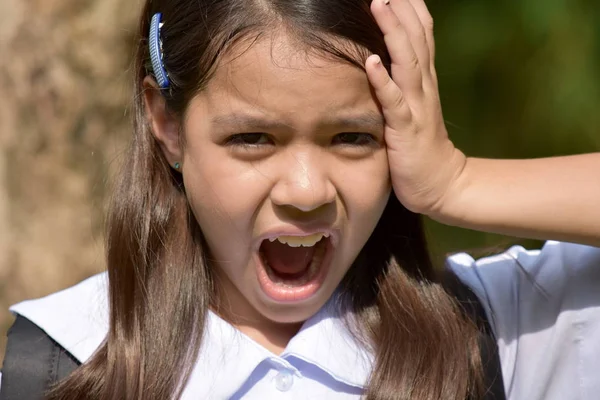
366, 186
226, 217
365, 189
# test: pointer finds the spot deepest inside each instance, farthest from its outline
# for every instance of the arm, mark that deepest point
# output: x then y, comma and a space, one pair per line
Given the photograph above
550, 198
547, 198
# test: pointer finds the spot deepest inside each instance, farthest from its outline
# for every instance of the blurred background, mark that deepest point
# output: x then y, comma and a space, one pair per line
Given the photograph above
518, 78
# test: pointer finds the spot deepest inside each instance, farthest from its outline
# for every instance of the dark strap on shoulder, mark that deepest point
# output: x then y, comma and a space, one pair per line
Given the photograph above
32, 362
487, 341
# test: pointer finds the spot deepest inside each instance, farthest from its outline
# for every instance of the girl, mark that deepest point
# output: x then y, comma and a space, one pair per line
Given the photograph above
264, 239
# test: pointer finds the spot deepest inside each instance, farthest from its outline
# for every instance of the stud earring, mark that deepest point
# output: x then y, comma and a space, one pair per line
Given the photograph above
177, 166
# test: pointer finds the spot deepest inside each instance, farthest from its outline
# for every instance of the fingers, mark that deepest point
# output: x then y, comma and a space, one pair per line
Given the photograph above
427, 24
396, 110
407, 28
406, 68
416, 24
412, 23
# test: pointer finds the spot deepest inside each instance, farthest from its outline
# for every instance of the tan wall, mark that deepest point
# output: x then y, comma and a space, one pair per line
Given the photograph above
63, 95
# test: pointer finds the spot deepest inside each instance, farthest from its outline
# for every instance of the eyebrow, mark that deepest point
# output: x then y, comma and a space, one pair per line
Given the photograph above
364, 121
245, 121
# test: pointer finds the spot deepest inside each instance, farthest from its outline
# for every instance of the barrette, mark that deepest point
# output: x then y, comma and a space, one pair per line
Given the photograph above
156, 51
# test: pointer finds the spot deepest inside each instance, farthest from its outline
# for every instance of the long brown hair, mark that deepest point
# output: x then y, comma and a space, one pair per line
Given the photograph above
160, 283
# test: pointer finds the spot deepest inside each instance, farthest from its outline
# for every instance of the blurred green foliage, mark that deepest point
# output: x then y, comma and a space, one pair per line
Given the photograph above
518, 78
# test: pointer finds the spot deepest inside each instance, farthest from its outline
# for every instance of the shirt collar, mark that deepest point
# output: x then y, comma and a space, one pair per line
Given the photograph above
77, 319
325, 341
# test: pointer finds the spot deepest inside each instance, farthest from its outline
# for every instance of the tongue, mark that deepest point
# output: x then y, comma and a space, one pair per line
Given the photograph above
285, 259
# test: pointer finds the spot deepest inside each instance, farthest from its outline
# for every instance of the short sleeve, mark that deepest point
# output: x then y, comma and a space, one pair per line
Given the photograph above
544, 308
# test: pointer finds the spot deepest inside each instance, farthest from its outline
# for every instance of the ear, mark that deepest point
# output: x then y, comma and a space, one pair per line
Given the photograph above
165, 126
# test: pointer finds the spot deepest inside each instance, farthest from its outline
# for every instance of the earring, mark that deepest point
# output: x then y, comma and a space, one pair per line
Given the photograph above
177, 166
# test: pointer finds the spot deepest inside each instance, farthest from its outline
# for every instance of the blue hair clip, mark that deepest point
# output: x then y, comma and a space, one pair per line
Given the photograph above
156, 53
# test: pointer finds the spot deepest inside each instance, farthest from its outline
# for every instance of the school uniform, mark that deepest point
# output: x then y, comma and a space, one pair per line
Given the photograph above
543, 307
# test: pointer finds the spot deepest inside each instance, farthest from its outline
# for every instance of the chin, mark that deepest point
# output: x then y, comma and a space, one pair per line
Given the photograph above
292, 313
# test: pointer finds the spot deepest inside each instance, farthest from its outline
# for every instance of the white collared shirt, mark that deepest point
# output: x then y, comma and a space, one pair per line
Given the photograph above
548, 333
322, 361
544, 308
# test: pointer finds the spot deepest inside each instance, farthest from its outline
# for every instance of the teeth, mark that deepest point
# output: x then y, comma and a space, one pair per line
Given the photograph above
297, 241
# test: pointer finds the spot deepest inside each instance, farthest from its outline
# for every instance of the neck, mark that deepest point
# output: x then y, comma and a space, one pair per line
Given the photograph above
273, 336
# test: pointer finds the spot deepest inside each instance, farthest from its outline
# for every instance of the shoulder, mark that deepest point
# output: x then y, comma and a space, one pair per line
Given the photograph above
32, 362
568, 257
556, 276
75, 318
544, 308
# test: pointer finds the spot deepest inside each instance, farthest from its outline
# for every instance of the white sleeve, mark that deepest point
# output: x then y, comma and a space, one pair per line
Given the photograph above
544, 308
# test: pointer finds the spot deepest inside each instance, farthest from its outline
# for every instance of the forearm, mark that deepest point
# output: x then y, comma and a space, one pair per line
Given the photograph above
549, 198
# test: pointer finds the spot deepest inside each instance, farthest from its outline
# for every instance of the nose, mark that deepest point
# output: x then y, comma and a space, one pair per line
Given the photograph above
304, 182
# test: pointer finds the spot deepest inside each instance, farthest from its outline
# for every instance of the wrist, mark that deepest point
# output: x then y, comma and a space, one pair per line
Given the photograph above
452, 206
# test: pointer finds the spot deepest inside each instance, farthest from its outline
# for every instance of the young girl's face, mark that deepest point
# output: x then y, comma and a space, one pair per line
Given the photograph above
286, 172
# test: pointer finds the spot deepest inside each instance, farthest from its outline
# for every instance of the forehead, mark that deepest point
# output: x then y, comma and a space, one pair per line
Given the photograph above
277, 75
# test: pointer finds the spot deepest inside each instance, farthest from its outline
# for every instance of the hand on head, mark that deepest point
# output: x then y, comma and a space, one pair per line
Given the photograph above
424, 163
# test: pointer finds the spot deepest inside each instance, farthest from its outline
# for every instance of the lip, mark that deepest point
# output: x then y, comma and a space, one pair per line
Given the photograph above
334, 235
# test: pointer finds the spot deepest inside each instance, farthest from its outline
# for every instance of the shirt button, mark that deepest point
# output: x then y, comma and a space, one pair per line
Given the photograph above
284, 381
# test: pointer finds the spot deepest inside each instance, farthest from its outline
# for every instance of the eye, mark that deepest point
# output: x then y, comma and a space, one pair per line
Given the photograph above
253, 139
354, 139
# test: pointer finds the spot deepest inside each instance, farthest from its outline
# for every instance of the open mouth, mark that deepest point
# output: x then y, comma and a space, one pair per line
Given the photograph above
292, 268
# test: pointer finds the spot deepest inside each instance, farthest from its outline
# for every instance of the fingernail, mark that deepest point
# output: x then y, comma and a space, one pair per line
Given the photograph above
386, 2
377, 59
